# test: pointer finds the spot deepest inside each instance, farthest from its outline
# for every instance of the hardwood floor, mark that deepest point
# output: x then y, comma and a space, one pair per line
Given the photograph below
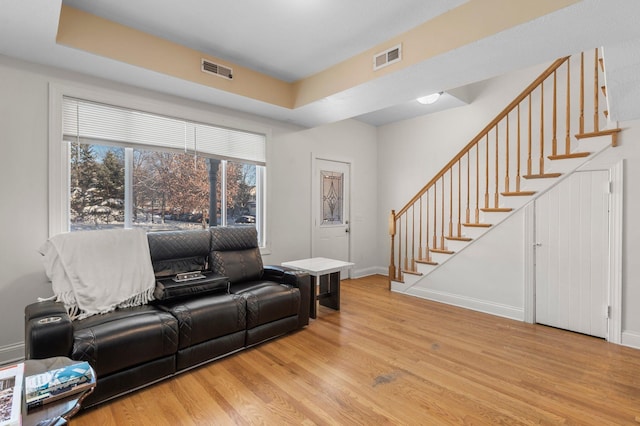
386, 358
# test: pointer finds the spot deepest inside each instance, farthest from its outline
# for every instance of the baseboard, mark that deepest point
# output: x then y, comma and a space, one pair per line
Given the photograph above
374, 270
631, 339
11, 354
505, 311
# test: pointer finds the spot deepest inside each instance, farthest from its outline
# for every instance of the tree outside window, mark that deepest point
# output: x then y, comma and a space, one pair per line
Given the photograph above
169, 190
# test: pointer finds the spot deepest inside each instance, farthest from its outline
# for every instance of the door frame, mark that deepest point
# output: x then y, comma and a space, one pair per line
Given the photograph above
614, 324
313, 200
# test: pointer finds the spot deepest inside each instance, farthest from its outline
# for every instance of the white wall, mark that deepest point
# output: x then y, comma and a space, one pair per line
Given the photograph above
23, 210
350, 141
24, 184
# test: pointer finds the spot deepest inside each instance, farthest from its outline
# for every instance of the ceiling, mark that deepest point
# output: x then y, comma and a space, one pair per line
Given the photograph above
294, 42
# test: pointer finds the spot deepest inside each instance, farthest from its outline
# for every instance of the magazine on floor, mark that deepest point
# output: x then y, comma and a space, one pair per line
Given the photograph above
11, 395
58, 383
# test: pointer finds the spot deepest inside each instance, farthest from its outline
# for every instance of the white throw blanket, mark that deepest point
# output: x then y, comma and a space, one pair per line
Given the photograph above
94, 272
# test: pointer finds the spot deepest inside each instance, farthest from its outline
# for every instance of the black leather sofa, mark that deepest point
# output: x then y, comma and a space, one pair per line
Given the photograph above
239, 303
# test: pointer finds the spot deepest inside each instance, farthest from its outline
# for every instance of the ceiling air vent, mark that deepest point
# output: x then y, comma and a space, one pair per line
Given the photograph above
216, 69
387, 57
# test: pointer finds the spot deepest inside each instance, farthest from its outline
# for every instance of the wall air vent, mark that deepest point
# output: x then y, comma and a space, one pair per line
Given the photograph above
388, 57
216, 69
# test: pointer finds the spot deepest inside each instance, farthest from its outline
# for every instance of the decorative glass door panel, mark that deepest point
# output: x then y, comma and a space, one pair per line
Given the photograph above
332, 203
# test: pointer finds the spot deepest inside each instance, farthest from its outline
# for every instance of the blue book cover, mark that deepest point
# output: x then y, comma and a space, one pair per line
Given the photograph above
60, 380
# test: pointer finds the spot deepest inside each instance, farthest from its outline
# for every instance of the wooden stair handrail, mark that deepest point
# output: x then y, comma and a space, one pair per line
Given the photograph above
528, 90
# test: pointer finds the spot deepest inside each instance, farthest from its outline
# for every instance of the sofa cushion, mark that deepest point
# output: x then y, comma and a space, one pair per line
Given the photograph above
173, 252
208, 317
268, 301
168, 289
124, 338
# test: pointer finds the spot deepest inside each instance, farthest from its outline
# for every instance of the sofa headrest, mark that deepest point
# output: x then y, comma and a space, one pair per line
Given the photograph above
238, 238
173, 252
235, 253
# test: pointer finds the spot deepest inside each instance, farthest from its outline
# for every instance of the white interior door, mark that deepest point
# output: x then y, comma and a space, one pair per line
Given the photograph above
572, 254
330, 209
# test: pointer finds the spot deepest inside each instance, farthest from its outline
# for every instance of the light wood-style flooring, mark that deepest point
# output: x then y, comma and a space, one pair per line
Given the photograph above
391, 359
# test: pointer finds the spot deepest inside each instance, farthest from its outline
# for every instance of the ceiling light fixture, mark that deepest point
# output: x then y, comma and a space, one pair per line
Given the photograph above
429, 99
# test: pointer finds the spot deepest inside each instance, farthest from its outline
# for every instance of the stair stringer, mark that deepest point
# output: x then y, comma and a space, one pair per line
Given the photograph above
462, 266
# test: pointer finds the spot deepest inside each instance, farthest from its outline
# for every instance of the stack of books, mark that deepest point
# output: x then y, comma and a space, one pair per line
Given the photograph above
56, 384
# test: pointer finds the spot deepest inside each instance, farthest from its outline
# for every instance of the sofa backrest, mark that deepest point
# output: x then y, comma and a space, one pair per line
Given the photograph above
173, 252
235, 253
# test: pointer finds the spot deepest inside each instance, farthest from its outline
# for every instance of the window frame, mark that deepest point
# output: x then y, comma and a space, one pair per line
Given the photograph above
59, 155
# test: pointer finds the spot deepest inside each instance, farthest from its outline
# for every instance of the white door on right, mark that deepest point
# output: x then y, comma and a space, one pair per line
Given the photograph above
572, 254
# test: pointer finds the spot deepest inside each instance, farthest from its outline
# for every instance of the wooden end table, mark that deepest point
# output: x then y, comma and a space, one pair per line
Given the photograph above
325, 280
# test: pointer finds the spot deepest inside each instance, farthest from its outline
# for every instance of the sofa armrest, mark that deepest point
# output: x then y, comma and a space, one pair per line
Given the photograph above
48, 330
293, 278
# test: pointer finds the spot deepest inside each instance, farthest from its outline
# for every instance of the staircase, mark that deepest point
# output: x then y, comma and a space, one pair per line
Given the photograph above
558, 123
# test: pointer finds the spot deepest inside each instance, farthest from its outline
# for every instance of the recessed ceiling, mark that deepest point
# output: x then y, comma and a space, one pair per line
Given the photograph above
295, 41
286, 39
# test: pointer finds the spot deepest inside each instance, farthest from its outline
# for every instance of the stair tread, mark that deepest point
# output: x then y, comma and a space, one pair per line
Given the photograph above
542, 176
477, 225
406, 271
458, 238
497, 209
442, 251
569, 156
598, 133
518, 193
426, 262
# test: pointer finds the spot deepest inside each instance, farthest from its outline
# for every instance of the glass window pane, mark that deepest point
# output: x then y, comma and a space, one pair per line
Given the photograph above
96, 190
171, 191
241, 194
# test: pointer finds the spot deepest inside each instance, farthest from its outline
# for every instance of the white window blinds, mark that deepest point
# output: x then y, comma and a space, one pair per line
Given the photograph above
90, 121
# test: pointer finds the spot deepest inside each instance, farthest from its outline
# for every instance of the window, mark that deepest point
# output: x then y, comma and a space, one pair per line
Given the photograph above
133, 169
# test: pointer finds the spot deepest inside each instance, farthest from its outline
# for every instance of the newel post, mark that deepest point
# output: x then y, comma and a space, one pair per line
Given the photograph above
392, 233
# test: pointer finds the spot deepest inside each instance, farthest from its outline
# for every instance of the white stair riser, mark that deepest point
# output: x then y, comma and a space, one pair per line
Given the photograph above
440, 257
456, 245
493, 217
538, 185
515, 202
565, 166
595, 144
424, 268
474, 232
399, 287
410, 279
